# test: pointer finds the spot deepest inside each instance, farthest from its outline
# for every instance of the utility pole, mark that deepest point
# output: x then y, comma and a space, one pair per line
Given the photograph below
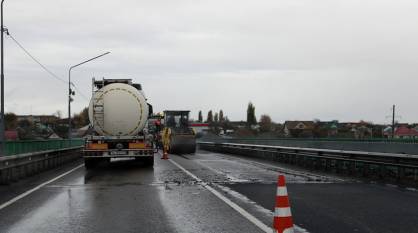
2, 137
393, 122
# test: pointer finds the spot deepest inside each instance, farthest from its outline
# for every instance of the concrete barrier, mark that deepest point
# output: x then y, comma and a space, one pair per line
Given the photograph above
15, 167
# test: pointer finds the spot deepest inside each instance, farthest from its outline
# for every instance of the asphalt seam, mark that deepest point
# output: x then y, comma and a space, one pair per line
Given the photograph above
233, 205
17, 198
284, 170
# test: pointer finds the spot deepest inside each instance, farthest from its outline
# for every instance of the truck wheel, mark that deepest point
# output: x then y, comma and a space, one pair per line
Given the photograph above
89, 163
149, 161
193, 151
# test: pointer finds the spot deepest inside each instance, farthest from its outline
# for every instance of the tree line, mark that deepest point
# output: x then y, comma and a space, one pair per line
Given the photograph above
29, 129
218, 119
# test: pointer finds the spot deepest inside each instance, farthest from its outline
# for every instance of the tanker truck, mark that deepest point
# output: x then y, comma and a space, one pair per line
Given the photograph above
118, 114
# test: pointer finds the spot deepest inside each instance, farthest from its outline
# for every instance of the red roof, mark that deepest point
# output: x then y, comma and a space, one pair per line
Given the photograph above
10, 134
405, 131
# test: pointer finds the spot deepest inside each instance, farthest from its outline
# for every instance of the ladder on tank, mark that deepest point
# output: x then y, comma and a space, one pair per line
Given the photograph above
98, 109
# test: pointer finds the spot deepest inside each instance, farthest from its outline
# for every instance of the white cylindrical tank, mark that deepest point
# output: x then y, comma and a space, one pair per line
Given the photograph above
118, 109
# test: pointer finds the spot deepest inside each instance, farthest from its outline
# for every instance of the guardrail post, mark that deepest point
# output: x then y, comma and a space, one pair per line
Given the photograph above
400, 174
337, 166
366, 169
382, 171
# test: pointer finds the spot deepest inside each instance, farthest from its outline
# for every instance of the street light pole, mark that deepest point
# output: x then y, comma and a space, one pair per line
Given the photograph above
70, 92
2, 137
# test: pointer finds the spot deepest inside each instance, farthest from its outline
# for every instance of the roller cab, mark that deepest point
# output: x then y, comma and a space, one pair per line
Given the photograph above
182, 138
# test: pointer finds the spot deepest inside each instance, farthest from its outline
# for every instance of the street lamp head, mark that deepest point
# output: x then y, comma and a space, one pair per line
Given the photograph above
70, 99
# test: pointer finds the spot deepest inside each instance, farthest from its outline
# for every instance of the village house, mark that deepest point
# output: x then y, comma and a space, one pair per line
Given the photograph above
299, 129
402, 131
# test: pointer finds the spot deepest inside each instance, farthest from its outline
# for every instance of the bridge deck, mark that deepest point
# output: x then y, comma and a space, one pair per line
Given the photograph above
126, 197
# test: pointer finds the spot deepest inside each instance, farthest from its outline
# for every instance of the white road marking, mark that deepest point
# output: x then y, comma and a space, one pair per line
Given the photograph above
258, 208
236, 207
15, 199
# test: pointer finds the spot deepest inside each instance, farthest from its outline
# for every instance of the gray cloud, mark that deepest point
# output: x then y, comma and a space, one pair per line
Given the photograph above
295, 59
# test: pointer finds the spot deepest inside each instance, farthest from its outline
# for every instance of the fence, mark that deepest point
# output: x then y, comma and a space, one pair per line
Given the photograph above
20, 147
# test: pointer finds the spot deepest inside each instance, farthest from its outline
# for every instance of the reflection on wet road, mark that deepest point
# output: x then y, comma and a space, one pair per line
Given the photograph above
127, 197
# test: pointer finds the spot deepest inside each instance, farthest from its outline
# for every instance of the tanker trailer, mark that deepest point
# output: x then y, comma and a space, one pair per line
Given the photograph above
118, 114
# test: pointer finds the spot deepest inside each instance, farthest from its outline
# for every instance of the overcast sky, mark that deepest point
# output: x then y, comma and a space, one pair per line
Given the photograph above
294, 59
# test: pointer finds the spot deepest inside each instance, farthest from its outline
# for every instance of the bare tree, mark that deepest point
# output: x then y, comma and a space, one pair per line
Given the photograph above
265, 123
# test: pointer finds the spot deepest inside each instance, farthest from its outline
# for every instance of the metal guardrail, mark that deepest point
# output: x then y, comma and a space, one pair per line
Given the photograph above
385, 146
20, 147
402, 168
15, 167
366, 140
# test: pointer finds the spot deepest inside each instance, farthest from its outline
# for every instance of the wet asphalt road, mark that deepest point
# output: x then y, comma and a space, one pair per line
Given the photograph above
128, 197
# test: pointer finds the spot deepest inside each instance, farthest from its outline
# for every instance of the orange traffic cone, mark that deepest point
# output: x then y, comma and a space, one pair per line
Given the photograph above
283, 222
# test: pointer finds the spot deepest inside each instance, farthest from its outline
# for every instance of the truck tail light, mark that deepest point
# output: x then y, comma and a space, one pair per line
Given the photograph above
97, 146
137, 145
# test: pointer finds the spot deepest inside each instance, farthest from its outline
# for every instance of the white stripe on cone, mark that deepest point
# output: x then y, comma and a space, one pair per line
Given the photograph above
282, 212
281, 191
289, 230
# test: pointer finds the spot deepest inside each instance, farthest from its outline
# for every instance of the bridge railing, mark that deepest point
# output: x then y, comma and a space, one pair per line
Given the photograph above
406, 146
21, 147
400, 168
273, 139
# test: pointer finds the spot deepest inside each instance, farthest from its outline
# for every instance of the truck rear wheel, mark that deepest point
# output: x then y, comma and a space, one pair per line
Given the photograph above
90, 163
149, 161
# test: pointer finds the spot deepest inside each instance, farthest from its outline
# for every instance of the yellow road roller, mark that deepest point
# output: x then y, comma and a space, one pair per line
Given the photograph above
181, 138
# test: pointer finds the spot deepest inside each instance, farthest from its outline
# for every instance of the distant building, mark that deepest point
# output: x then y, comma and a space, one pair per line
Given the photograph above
298, 129
43, 119
323, 129
238, 124
200, 128
54, 136
404, 132
11, 135
356, 130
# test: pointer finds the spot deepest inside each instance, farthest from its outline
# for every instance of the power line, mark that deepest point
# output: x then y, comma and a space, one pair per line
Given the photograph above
44, 67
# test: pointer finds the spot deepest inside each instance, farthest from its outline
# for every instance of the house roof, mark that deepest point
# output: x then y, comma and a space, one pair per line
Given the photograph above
405, 131
294, 124
328, 124
10, 134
